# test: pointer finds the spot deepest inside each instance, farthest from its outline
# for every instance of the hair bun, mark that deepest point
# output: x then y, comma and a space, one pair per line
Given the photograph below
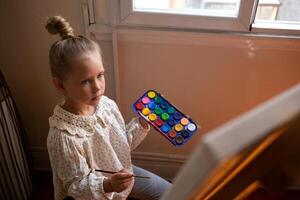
58, 24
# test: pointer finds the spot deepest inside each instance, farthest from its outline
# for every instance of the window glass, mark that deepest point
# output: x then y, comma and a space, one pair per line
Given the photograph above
278, 12
222, 8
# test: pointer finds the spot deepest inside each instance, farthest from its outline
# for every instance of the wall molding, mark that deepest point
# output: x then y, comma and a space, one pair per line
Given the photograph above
165, 165
210, 39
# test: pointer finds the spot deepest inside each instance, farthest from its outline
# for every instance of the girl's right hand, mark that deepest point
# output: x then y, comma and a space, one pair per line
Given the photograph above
118, 181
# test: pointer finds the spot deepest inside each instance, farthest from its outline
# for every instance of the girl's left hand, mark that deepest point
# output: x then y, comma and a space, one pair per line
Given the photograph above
143, 122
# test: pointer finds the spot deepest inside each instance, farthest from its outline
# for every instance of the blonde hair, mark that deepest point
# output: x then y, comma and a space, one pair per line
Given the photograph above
70, 46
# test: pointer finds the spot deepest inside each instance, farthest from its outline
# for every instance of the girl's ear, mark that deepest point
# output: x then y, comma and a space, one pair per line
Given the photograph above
58, 83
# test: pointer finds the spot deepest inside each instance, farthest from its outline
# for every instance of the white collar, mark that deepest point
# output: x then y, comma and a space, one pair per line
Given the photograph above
75, 124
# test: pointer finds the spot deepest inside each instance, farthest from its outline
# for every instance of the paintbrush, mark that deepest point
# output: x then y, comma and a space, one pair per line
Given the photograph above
111, 172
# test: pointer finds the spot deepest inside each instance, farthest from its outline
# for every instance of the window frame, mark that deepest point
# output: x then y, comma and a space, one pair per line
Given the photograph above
277, 29
243, 23
138, 18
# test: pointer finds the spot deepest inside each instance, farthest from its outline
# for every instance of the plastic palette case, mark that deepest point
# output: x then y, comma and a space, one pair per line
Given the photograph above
165, 117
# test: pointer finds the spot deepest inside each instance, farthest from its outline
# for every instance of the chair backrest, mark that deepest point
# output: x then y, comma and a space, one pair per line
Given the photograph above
15, 159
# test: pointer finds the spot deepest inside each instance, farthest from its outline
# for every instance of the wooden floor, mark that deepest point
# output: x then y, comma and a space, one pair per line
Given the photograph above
42, 185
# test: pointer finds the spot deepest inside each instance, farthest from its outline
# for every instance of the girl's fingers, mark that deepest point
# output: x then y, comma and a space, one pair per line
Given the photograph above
119, 184
125, 180
123, 175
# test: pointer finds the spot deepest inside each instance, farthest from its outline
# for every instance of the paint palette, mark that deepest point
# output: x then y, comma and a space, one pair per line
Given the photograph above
165, 117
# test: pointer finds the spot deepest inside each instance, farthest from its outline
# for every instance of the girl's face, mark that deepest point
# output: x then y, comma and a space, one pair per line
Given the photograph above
85, 83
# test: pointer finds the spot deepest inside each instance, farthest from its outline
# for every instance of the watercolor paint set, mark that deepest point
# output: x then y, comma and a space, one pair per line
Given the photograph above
165, 117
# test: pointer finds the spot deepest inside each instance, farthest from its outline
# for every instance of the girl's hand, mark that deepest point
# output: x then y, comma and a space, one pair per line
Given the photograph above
143, 122
118, 182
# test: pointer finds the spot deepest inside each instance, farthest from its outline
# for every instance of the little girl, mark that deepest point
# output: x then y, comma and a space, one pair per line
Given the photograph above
87, 131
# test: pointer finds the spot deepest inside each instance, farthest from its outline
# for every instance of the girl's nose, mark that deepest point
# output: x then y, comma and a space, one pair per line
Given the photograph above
97, 85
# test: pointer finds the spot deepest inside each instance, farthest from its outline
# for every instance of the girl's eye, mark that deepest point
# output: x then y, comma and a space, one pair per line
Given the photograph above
100, 76
84, 82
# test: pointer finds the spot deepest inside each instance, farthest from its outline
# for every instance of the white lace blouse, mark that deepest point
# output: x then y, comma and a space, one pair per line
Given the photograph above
78, 145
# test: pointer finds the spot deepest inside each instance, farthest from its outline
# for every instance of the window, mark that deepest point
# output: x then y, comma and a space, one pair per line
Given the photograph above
224, 15
267, 10
278, 14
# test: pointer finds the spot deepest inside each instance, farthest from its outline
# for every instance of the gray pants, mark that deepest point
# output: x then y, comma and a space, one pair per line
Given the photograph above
148, 189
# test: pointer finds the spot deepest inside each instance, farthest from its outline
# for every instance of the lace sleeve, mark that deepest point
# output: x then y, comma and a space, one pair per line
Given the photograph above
72, 168
135, 133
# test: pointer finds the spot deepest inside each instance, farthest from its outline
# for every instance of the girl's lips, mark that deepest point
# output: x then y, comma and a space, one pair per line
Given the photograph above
96, 98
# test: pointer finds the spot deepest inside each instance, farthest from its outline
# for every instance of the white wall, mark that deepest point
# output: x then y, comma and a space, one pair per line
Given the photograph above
24, 47
211, 77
